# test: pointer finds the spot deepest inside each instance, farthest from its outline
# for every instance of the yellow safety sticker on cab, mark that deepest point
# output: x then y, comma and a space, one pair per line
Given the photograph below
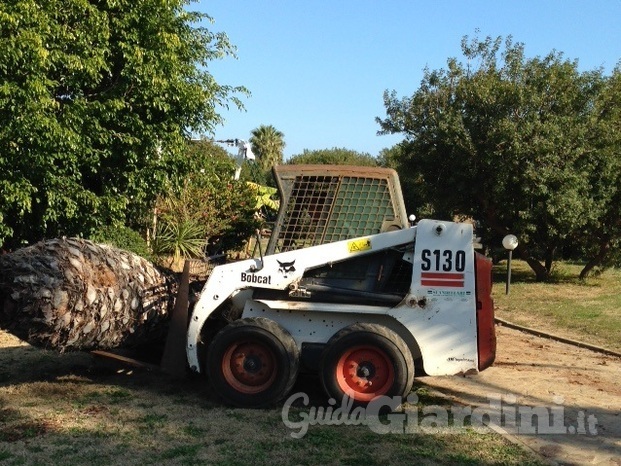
358, 245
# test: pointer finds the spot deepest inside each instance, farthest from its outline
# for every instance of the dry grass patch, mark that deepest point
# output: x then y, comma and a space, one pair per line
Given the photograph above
586, 311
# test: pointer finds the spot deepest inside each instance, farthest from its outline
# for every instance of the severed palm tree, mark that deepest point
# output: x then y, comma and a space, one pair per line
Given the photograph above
73, 294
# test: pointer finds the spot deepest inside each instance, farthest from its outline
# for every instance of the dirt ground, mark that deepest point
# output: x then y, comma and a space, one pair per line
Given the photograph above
558, 378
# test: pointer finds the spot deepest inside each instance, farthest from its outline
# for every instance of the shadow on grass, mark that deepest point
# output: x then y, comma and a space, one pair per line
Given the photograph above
499, 275
561, 274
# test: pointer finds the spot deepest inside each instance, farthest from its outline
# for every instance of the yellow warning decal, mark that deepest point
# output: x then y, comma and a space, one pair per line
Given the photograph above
359, 245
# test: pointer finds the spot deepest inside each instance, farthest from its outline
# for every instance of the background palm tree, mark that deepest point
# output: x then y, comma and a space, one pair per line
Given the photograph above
268, 144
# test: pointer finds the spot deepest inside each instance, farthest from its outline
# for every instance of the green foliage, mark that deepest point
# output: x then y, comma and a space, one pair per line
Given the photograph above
123, 237
210, 211
334, 156
268, 145
184, 238
264, 196
601, 236
515, 143
413, 186
96, 102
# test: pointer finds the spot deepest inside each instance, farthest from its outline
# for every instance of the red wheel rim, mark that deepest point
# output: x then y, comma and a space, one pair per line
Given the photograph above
364, 373
249, 367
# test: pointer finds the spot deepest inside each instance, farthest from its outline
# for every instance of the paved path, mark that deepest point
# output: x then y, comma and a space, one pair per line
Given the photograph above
556, 377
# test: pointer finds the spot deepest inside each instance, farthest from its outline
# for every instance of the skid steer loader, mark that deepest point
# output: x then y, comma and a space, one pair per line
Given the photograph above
347, 288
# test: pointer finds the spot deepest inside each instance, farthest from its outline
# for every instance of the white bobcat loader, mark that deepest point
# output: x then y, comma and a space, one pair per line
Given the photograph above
347, 288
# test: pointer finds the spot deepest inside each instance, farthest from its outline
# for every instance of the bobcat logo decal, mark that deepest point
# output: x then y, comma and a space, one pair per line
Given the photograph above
286, 267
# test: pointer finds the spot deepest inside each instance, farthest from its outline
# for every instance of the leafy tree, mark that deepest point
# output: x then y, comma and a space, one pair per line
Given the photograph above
412, 184
600, 240
122, 237
210, 212
506, 140
264, 196
268, 145
334, 156
97, 99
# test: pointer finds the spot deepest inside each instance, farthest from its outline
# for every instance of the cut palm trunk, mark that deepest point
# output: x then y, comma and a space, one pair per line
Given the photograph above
73, 294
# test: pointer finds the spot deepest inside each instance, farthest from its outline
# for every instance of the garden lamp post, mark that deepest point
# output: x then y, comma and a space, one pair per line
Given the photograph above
509, 242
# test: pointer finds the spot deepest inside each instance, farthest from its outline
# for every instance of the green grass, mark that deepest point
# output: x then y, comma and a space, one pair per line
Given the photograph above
587, 311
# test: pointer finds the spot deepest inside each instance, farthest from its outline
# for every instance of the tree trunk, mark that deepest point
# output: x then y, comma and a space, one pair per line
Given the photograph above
549, 259
604, 248
541, 273
73, 294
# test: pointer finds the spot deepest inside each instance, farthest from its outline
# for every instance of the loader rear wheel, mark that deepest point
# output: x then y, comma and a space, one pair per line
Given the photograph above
252, 362
364, 361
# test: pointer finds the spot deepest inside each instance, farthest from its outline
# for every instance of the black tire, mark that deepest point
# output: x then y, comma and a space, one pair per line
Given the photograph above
364, 361
253, 362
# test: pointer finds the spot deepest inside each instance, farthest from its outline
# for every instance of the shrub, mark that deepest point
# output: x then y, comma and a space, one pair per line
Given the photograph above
125, 238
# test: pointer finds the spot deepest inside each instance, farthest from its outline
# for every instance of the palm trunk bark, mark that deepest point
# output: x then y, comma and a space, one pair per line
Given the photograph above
73, 294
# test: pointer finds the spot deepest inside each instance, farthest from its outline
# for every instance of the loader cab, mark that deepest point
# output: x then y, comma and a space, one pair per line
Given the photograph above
320, 206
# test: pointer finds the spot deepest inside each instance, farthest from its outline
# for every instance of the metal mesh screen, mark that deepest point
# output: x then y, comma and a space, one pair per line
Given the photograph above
307, 211
361, 207
340, 203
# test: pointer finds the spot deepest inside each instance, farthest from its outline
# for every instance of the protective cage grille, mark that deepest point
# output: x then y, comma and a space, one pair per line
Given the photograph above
322, 204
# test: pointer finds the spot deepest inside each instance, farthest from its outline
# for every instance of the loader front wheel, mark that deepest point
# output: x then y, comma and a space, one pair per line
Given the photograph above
364, 361
252, 362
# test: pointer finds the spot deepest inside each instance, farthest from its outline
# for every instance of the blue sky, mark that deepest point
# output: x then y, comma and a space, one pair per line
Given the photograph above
317, 70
